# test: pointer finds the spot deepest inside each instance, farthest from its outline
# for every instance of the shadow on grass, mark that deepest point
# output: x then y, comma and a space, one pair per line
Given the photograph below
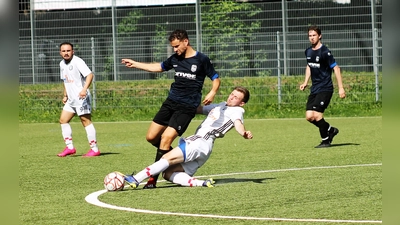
217, 182
343, 144
237, 180
101, 154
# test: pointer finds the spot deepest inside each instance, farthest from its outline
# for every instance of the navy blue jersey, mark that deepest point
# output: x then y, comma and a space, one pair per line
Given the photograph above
190, 74
321, 63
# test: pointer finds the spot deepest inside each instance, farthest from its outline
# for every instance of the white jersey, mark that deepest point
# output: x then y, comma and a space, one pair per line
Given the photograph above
197, 148
74, 76
221, 118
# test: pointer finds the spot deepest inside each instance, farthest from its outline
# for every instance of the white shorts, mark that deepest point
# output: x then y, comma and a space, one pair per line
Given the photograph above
84, 108
196, 152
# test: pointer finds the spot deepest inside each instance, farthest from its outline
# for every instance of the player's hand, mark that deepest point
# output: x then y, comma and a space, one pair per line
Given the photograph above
208, 99
342, 93
82, 94
248, 135
303, 86
64, 100
128, 62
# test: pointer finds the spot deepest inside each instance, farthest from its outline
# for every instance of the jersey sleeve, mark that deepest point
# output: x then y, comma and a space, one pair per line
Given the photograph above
209, 68
237, 114
208, 108
330, 59
83, 68
167, 64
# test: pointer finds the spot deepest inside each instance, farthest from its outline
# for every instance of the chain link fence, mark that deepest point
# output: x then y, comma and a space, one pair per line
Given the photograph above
243, 38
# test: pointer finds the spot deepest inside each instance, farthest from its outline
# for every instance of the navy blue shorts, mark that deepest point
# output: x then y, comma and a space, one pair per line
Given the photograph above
175, 115
319, 101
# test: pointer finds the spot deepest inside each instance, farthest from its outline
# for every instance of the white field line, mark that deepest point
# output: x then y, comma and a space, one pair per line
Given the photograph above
93, 199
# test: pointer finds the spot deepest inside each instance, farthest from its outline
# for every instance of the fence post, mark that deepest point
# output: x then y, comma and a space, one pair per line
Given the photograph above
94, 74
32, 17
198, 26
374, 49
278, 56
284, 31
114, 25
375, 62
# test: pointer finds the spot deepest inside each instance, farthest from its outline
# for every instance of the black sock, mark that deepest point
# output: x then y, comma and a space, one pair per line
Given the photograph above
159, 155
157, 145
323, 128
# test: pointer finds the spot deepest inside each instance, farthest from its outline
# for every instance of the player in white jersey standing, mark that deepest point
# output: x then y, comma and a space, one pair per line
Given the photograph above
77, 78
181, 163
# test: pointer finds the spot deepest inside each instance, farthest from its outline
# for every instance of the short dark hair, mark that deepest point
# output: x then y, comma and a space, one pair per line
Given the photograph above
246, 93
67, 43
315, 28
179, 35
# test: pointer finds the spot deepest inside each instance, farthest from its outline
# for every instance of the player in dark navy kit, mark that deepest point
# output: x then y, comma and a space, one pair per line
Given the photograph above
191, 68
320, 63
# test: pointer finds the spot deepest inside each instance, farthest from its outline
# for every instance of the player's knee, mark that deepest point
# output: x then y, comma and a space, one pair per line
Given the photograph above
62, 121
149, 138
310, 119
153, 141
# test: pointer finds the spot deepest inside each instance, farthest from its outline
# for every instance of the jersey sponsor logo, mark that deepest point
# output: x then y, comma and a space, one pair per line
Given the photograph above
194, 68
67, 80
314, 65
186, 75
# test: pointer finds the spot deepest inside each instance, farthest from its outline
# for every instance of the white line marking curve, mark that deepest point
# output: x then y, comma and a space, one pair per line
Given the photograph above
93, 199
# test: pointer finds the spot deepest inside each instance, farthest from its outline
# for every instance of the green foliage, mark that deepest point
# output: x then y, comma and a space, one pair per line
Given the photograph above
161, 43
226, 26
128, 24
141, 99
278, 174
125, 28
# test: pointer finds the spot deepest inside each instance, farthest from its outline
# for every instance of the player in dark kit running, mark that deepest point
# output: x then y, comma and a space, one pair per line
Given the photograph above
320, 63
191, 68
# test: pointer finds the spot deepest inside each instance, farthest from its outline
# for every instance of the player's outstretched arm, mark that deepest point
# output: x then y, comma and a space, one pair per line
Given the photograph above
150, 67
242, 131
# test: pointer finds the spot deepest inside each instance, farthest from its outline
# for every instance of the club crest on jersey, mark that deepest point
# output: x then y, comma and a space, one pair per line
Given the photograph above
194, 68
317, 59
71, 67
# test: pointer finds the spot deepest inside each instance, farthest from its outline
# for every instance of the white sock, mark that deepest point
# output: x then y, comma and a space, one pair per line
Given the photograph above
67, 135
184, 179
91, 136
154, 168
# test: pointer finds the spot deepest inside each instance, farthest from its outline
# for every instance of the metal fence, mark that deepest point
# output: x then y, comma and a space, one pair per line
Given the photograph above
242, 38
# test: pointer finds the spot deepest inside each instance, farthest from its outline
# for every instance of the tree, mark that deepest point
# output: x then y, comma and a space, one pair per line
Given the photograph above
227, 34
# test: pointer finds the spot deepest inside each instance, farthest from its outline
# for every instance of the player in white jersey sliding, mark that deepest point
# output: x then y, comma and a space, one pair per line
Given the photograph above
181, 163
77, 78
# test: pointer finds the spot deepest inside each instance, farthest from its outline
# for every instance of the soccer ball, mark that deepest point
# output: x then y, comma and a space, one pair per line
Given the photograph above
114, 182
